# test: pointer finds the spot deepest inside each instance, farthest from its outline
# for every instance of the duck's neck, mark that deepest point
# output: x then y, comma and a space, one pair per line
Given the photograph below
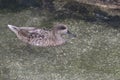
57, 38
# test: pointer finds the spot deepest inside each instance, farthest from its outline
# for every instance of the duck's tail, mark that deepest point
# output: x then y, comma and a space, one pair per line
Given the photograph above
13, 28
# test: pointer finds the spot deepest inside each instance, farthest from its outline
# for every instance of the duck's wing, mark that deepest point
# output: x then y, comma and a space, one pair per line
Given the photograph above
39, 34
28, 28
16, 29
33, 33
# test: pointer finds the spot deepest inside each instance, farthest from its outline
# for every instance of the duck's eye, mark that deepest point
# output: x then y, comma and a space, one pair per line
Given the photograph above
62, 27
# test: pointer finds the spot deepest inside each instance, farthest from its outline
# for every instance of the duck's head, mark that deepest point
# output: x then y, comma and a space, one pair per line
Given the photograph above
63, 29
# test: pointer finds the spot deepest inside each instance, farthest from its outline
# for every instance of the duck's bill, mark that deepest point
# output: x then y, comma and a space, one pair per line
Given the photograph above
71, 35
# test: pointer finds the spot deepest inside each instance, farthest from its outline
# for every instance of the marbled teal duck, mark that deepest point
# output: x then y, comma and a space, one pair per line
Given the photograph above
41, 37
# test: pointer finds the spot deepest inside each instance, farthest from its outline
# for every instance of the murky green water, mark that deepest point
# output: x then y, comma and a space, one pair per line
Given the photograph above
93, 55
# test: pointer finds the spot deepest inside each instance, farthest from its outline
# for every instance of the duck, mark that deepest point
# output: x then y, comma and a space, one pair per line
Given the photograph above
41, 37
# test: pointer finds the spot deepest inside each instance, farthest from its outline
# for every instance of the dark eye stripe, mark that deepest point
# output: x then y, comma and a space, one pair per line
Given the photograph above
62, 28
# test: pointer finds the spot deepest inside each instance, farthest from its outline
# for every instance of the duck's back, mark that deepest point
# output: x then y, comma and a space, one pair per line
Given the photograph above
37, 37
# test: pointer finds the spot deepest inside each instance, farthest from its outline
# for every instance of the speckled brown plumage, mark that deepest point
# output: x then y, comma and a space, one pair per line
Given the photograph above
41, 37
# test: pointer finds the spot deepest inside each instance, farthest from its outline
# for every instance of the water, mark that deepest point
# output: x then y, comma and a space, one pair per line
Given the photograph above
93, 55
